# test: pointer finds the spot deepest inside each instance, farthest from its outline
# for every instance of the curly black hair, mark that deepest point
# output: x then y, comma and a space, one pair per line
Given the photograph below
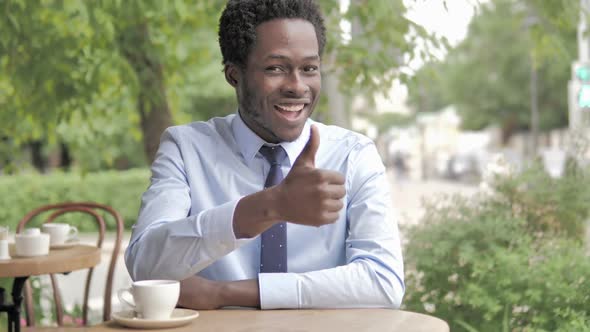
238, 22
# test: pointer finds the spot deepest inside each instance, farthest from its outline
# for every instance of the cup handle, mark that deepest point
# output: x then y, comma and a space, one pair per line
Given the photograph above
121, 294
73, 232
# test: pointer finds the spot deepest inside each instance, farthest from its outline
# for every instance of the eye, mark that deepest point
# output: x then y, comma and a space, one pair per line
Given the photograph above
274, 69
310, 69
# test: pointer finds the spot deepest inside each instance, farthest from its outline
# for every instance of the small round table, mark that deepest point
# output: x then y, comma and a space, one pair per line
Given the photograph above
57, 261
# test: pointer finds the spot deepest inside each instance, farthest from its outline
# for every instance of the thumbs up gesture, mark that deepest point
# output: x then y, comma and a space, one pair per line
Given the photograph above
308, 195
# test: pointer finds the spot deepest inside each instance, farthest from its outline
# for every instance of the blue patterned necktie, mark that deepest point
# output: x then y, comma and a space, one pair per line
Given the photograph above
273, 251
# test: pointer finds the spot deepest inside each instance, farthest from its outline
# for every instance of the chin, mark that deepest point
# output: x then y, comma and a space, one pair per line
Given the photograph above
290, 135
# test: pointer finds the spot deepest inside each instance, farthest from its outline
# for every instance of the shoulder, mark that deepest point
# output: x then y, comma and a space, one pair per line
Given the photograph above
214, 130
340, 138
350, 152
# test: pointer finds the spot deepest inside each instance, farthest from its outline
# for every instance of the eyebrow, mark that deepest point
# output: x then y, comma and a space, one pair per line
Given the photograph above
283, 57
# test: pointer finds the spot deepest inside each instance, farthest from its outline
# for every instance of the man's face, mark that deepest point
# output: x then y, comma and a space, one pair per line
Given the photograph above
280, 85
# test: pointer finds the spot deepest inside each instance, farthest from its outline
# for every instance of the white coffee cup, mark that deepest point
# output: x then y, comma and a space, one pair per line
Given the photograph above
60, 233
31, 231
152, 299
4, 232
4, 253
31, 242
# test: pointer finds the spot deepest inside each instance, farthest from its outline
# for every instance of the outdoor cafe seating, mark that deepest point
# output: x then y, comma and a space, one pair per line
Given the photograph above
75, 256
63, 258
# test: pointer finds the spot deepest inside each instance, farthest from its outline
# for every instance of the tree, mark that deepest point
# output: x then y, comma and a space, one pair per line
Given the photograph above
67, 63
99, 76
488, 75
427, 88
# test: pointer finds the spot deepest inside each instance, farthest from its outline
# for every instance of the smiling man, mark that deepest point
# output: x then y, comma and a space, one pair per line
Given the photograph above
268, 208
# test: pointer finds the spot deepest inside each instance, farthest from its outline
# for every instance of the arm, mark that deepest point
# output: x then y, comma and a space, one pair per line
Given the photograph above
166, 244
164, 228
372, 277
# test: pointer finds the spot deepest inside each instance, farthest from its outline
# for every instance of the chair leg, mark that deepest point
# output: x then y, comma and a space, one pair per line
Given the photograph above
59, 313
86, 296
29, 304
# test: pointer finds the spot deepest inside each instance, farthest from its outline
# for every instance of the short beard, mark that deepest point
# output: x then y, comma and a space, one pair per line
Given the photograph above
250, 115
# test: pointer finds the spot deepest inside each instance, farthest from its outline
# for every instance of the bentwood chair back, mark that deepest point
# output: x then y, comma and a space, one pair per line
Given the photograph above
97, 212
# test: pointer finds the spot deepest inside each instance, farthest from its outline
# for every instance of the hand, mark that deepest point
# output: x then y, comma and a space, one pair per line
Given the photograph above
200, 294
310, 196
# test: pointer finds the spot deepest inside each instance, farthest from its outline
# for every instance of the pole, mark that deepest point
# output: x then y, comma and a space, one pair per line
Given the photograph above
577, 119
531, 20
534, 107
583, 57
583, 39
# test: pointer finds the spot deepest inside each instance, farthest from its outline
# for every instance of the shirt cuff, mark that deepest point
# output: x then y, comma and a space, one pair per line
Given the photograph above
278, 291
217, 223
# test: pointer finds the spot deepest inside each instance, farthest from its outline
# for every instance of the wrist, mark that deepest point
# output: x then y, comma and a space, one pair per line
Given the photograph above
276, 206
243, 293
256, 213
225, 296
219, 294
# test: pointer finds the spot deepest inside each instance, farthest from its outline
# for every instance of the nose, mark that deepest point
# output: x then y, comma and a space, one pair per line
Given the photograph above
294, 85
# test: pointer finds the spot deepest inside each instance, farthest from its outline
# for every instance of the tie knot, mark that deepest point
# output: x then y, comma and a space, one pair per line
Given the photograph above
274, 154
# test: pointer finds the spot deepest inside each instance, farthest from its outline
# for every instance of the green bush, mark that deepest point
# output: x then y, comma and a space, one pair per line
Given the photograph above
119, 189
511, 261
547, 204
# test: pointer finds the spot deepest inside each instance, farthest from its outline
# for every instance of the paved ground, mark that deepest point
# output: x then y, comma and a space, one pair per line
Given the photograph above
407, 197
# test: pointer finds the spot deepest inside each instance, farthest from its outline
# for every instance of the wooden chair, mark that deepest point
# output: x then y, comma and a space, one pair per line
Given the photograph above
96, 211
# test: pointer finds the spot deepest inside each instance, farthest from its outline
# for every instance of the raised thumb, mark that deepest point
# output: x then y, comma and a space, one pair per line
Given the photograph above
307, 156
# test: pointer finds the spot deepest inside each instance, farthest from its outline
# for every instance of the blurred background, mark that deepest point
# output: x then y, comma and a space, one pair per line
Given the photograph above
480, 110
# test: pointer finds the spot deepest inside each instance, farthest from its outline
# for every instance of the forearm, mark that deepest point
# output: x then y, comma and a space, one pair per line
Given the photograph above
154, 252
256, 213
202, 294
243, 293
155, 255
360, 284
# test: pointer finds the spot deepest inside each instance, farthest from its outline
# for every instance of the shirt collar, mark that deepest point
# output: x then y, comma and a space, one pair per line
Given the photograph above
249, 143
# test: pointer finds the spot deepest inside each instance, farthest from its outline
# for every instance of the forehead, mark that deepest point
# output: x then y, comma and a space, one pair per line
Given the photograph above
288, 37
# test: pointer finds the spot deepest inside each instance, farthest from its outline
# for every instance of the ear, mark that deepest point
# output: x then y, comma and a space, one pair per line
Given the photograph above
232, 74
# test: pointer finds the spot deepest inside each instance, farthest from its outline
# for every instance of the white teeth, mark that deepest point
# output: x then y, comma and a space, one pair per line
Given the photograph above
291, 107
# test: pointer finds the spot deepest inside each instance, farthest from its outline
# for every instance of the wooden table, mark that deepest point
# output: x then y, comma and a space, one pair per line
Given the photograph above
354, 320
57, 261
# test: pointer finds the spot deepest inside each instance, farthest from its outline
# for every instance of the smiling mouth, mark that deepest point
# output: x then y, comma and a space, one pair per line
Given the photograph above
290, 111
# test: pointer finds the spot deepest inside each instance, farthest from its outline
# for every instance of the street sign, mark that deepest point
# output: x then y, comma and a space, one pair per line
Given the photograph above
582, 75
584, 97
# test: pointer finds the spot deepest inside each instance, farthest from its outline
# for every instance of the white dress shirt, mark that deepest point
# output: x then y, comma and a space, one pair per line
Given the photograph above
203, 169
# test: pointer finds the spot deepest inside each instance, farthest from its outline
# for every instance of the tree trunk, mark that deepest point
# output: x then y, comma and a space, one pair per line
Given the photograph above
509, 126
336, 102
37, 158
65, 158
152, 104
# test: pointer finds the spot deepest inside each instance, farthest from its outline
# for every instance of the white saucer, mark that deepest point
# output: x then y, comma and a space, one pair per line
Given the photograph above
179, 317
68, 244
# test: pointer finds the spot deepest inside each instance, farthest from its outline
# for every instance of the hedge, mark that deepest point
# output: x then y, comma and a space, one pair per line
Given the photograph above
119, 189
512, 260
